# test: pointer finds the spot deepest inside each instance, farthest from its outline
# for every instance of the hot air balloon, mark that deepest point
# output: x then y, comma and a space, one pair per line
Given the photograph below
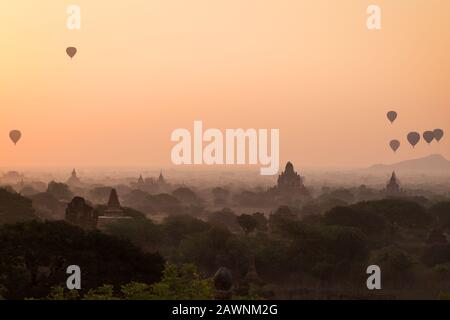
15, 135
413, 138
394, 144
392, 115
438, 134
428, 136
71, 51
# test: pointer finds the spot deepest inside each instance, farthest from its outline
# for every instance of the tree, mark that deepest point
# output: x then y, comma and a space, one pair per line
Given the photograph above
165, 202
368, 222
48, 207
436, 254
273, 258
281, 220
38, 254
261, 221
185, 195
247, 222
216, 247
327, 252
14, 208
182, 282
441, 212
60, 191
396, 265
220, 195
139, 200
141, 232
342, 194
404, 213
225, 218
178, 227
104, 292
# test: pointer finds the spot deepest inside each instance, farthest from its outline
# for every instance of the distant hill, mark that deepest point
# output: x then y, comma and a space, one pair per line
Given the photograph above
431, 164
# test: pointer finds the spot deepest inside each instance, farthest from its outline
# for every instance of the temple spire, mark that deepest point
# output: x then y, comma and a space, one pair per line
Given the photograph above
113, 207
73, 180
161, 179
393, 186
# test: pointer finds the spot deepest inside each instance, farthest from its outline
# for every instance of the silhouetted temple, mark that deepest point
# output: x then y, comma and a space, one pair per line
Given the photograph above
290, 182
252, 276
393, 187
113, 208
161, 180
223, 284
73, 180
81, 214
113, 212
151, 184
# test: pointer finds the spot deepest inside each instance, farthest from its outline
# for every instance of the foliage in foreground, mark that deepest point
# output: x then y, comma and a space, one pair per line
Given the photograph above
177, 283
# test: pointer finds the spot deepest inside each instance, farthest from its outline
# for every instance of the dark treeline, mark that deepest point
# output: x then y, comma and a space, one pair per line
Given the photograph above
318, 250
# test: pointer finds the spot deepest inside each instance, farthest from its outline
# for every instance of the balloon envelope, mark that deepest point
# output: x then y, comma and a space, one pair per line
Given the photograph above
428, 136
438, 134
413, 138
392, 115
395, 144
71, 51
15, 136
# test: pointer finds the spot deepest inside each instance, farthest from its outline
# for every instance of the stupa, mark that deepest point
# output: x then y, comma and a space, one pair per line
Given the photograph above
393, 187
113, 211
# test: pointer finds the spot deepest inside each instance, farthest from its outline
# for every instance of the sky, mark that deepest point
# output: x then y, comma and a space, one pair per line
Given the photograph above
144, 68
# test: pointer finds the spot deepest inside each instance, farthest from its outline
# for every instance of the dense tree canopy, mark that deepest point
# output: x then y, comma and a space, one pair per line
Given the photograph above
60, 191
38, 254
366, 221
247, 222
14, 207
404, 213
441, 212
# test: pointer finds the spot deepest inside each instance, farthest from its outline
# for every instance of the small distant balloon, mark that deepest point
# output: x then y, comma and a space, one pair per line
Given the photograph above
392, 115
394, 144
413, 138
428, 136
15, 136
438, 134
71, 51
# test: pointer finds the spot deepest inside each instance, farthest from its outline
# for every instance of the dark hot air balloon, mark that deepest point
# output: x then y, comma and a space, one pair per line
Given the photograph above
394, 144
438, 134
15, 136
71, 51
392, 115
413, 138
428, 136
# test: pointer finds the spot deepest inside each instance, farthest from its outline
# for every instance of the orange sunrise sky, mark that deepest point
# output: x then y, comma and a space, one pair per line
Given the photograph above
145, 68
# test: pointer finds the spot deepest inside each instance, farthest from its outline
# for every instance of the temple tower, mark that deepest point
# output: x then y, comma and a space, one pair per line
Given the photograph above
73, 180
290, 182
393, 186
113, 207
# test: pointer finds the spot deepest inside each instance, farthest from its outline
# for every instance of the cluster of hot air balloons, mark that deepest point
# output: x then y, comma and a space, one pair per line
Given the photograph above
414, 137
